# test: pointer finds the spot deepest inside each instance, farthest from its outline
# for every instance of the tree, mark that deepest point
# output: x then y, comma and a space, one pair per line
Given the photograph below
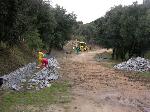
125, 30
63, 30
35, 20
88, 31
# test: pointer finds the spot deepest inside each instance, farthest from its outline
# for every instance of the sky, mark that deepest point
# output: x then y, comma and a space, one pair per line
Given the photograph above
90, 10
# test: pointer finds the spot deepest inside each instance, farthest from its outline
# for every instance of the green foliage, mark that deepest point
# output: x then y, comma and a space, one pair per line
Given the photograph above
34, 40
36, 19
145, 74
80, 38
63, 30
147, 54
126, 30
88, 31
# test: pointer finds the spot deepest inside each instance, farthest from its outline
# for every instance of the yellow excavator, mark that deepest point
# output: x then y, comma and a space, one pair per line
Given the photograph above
83, 46
80, 45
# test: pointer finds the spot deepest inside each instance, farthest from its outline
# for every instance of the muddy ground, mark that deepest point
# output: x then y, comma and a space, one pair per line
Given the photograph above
95, 88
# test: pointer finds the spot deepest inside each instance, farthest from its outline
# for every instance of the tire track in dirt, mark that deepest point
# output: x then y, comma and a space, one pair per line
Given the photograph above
96, 88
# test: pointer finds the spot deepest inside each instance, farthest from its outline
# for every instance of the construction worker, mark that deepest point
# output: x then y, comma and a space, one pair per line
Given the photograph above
45, 59
77, 49
40, 56
44, 62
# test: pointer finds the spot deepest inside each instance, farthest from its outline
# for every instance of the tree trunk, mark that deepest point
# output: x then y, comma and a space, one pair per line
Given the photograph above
49, 51
130, 54
113, 54
117, 54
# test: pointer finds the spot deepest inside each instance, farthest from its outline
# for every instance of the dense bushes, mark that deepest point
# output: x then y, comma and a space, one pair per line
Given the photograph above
35, 22
125, 29
86, 32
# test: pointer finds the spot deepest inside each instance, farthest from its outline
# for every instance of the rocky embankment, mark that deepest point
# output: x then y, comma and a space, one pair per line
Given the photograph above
30, 78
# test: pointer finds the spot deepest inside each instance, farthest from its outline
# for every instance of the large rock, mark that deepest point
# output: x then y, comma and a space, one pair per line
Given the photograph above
135, 64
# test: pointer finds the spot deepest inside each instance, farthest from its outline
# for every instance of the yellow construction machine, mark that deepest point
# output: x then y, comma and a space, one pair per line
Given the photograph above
83, 46
80, 46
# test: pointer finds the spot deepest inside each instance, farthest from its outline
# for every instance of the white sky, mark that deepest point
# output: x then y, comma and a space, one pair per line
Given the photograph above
89, 10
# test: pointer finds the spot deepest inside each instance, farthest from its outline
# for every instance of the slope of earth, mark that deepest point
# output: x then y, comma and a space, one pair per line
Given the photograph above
13, 58
95, 88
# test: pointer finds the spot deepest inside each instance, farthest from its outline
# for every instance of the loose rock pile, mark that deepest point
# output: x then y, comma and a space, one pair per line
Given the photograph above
135, 64
13, 80
42, 78
28, 77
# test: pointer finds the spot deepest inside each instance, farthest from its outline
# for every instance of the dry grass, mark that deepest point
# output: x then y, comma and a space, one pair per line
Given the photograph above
13, 58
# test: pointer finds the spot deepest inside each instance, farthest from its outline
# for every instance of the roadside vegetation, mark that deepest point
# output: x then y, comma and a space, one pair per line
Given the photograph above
19, 101
125, 29
14, 57
35, 24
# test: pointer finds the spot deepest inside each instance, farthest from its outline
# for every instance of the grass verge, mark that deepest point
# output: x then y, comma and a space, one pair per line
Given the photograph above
145, 74
57, 93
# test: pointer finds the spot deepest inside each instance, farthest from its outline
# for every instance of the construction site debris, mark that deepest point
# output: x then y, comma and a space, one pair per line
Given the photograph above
28, 78
135, 64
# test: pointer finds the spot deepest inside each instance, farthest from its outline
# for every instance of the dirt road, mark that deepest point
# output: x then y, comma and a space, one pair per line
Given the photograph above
95, 88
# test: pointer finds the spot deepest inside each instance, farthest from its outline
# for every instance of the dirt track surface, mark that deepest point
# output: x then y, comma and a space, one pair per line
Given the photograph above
95, 88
